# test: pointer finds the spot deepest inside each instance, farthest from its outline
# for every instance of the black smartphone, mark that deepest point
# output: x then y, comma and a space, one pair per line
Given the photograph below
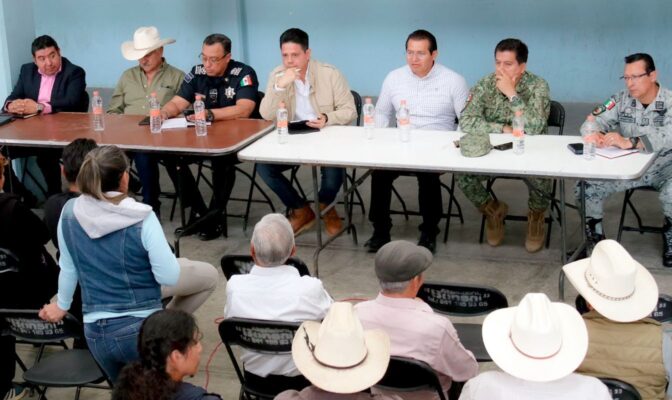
576, 148
504, 146
144, 121
299, 127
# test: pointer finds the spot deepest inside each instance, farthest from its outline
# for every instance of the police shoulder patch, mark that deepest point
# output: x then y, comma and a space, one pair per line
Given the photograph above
188, 77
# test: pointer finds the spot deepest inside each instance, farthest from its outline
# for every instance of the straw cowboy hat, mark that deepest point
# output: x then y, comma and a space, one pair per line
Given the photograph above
145, 40
537, 341
337, 355
616, 285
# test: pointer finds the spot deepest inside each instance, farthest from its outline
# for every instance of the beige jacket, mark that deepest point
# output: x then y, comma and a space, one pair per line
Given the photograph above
329, 94
631, 352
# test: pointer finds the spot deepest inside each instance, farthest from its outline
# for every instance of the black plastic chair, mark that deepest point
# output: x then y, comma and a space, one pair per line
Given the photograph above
628, 203
242, 264
66, 368
409, 375
620, 390
268, 337
662, 313
556, 118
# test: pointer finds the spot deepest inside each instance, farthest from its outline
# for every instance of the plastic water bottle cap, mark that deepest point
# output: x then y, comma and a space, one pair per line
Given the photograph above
198, 97
95, 93
153, 94
282, 104
368, 100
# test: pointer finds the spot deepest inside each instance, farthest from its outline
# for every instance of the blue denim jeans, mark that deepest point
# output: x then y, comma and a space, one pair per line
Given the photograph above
272, 174
113, 343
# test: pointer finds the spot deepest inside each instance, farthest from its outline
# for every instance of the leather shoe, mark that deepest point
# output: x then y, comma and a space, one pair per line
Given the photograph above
211, 232
428, 241
332, 222
376, 241
301, 219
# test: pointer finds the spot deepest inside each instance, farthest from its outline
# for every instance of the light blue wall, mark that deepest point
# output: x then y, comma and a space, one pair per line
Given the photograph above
17, 33
577, 45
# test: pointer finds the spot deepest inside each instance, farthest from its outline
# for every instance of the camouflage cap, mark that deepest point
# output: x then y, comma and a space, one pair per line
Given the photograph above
475, 145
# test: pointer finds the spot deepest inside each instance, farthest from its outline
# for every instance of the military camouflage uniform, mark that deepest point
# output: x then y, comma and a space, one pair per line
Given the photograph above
653, 125
488, 111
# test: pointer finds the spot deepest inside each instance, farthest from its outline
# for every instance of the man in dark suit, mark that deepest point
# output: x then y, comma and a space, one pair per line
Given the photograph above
49, 84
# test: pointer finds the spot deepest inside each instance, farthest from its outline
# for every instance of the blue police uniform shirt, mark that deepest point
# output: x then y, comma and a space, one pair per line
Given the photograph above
238, 82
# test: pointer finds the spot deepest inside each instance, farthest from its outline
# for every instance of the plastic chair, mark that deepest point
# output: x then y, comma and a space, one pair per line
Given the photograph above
268, 337
556, 118
462, 300
242, 264
620, 390
409, 375
662, 313
640, 227
66, 368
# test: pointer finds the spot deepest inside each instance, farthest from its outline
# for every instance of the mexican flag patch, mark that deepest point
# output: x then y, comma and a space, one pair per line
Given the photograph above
246, 81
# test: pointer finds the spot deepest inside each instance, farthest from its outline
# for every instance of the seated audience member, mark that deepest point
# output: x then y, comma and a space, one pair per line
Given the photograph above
537, 345
73, 156
414, 330
339, 357
623, 342
170, 349
49, 84
28, 286
115, 249
275, 291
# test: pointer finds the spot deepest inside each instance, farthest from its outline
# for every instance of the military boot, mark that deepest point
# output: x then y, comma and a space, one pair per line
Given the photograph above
536, 224
594, 234
495, 212
667, 243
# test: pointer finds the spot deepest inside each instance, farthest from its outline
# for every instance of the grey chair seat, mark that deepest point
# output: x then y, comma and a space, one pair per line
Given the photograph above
65, 369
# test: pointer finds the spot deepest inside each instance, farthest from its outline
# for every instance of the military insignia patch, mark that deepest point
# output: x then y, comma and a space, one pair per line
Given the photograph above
236, 71
229, 92
246, 81
633, 103
660, 105
200, 70
212, 94
188, 77
608, 105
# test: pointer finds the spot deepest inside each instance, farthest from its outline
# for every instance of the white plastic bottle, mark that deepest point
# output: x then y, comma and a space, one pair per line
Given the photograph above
199, 117
518, 132
281, 123
369, 112
589, 128
404, 122
98, 115
154, 114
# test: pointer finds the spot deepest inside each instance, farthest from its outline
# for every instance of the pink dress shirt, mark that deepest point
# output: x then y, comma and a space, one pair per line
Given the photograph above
417, 332
46, 86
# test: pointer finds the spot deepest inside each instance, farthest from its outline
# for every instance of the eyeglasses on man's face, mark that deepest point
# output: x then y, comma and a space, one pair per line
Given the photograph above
634, 78
211, 60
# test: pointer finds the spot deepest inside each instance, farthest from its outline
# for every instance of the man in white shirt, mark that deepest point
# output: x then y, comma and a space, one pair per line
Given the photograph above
274, 291
435, 96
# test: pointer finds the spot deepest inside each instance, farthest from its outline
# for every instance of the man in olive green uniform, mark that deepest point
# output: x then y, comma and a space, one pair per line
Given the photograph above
490, 109
131, 96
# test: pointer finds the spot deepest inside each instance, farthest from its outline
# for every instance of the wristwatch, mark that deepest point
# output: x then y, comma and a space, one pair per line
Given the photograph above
514, 98
40, 108
634, 141
209, 116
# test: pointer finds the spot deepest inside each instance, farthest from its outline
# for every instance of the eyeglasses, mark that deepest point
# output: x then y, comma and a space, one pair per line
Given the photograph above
634, 78
211, 60
419, 54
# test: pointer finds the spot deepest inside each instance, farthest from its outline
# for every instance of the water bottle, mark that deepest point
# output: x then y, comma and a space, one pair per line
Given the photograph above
588, 129
518, 132
97, 108
199, 117
281, 123
154, 114
369, 112
404, 122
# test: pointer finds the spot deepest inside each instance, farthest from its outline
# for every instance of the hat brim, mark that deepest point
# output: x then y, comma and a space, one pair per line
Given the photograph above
130, 53
342, 380
497, 340
642, 302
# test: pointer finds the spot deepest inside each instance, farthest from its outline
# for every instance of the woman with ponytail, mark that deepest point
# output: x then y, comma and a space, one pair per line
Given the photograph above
115, 248
170, 350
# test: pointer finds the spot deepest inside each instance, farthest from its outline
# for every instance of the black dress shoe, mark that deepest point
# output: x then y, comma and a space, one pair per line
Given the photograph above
211, 232
376, 242
428, 242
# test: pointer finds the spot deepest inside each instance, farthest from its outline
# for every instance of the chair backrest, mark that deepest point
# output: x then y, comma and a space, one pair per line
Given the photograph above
255, 114
242, 264
26, 325
620, 390
557, 116
9, 262
662, 313
409, 375
462, 299
358, 105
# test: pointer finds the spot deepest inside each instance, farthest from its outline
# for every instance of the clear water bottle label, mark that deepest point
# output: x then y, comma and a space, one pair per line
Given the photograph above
200, 115
155, 113
518, 133
404, 122
98, 110
282, 124
368, 119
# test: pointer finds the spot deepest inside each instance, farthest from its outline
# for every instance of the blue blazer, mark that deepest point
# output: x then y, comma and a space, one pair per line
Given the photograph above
68, 94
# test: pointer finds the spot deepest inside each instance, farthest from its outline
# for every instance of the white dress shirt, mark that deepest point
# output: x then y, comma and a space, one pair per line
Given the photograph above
278, 294
304, 110
495, 385
434, 101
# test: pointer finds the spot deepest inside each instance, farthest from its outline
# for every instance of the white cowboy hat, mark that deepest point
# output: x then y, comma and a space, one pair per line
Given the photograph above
145, 40
337, 355
537, 341
616, 285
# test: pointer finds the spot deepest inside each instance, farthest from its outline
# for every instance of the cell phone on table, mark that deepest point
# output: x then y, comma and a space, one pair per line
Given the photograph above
144, 121
504, 146
299, 127
576, 148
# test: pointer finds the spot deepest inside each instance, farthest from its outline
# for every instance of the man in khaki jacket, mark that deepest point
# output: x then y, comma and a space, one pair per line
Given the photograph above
315, 92
623, 342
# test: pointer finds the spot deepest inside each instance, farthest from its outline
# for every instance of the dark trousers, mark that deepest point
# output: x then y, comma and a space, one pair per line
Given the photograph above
330, 184
48, 160
274, 384
429, 199
147, 165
